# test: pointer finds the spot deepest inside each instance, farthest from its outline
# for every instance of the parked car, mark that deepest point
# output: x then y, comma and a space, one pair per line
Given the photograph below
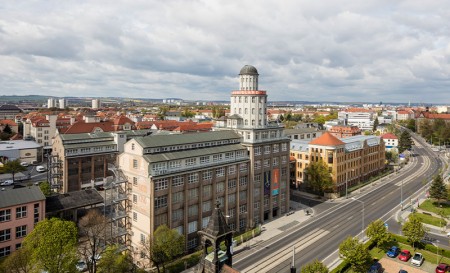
393, 252
402, 271
7, 183
81, 266
404, 255
25, 164
375, 268
442, 268
417, 259
41, 169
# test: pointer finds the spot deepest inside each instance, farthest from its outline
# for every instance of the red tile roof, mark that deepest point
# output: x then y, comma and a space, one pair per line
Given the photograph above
80, 127
327, 139
8, 121
389, 136
429, 115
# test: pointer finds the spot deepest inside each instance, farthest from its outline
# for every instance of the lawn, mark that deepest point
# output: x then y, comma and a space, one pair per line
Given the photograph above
431, 220
432, 206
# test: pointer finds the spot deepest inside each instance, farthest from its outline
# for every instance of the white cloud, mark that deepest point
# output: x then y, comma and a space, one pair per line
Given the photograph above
340, 50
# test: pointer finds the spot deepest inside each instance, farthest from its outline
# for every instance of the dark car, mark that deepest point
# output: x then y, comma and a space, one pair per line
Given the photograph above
393, 252
402, 271
375, 268
442, 268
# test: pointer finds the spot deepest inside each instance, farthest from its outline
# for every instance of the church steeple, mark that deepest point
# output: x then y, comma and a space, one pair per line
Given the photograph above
216, 232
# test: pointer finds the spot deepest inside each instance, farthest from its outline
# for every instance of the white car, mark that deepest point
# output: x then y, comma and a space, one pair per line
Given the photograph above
7, 183
41, 169
417, 259
25, 164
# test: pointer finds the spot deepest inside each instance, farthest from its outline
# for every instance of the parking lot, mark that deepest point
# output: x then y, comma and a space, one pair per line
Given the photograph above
393, 265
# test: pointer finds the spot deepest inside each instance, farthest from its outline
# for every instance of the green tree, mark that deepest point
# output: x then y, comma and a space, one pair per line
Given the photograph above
378, 233
437, 189
319, 177
404, 141
52, 245
375, 124
425, 129
320, 120
314, 267
411, 125
163, 247
7, 130
17, 262
45, 188
13, 167
113, 261
414, 230
355, 253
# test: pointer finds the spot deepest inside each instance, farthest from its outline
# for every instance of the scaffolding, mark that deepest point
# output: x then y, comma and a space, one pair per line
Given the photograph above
54, 174
116, 206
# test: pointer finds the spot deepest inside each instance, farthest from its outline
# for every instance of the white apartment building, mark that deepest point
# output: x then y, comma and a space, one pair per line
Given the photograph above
362, 118
41, 130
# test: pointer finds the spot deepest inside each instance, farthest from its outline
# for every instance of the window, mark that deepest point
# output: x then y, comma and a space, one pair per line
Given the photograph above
207, 175
242, 209
220, 187
243, 181
180, 229
276, 148
134, 216
220, 172
256, 205
240, 154
161, 202
177, 215
231, 183
267, 149
207, 190
177, 181
161, 219
192, 227
193, 178
192, 243
5, 251
5, 215
204, 159
242, 224
193, 210
135, 183
36, 213
191, 161
21, 212
242, 195
266, 162
135, 198
231, 169
217, 157
135, 163
5, 235
143, 238
229, 155
21, 231
257, 164
177, 197
206, 206
275, 161
175, 164
132, 146
161, 184
231, 198
284, 147
243, 167
193, 194
205, 221
283, 159
257, 151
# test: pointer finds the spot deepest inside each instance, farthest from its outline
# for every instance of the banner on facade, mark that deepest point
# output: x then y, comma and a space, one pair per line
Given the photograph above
275, 181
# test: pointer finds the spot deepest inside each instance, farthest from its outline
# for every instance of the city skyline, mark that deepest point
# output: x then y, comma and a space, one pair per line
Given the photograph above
344, 51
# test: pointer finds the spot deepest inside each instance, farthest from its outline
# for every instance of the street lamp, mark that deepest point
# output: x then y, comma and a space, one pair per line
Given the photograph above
437, 251
346, 183
362, 226
401, 196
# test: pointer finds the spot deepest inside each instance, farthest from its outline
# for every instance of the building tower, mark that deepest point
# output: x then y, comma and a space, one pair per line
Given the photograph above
51, 102
216, 232
62, 103
268, 149
96, 104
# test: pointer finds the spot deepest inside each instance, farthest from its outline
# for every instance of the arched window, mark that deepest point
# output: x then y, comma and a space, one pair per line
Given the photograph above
246, 122
240, 112
253, 122
246, 111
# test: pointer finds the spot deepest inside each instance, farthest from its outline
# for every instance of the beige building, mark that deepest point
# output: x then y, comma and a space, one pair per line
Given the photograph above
176, 179
352, 159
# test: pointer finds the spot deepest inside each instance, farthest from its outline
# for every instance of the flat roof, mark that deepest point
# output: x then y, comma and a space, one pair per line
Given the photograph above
72, 200
10, 196
18, 145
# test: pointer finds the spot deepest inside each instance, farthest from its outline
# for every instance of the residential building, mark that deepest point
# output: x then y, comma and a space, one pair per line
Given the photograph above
41, 129
51, 103
14, 127
404, 115
342, 131
8, 111
390, 142
20, 210
96, 104
62, 103
352, 159
268, 147
306, 133
176, 179
428, 117
362, 118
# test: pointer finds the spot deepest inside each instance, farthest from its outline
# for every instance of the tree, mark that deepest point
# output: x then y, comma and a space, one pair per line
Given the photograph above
314, 267
437, 189
391, 156
17, 262
414, 230
13, 167
163, 247
45, 188
52, 245
378, 233
319, 177
404, 142
113, 261
411, 125
375, 124
7, 130
355, 253
93, 227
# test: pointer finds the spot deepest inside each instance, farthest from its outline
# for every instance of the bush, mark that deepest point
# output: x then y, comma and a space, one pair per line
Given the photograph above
341, 268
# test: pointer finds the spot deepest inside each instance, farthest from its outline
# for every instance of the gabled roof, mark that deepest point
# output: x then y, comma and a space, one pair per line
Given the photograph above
389, 136
11, 197
429, 115
121, 120
9, 107
8, 121
88, 127
217, 225
327, 139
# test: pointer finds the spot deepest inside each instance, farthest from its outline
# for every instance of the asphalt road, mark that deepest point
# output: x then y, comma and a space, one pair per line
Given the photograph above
319, 238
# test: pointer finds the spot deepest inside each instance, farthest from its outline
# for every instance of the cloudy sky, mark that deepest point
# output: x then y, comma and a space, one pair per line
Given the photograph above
335, 50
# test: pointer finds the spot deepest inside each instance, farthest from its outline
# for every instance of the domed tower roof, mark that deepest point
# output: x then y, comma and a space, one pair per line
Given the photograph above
248, 70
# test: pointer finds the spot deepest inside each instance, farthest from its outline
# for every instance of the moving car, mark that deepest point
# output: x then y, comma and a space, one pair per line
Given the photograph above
25, 164
417, 259
404, 255
442, 268
41, 169
7, 183
375, 268
393, 252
